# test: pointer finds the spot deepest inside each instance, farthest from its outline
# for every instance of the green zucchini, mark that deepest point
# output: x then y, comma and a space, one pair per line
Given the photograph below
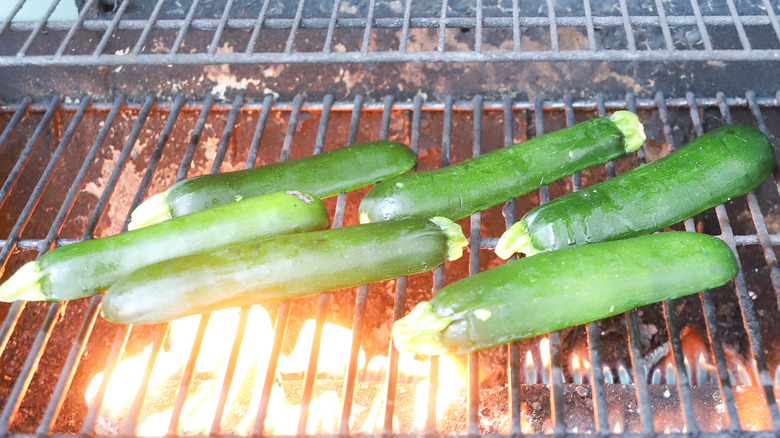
536, 295
708, 171
89, 267
282, 268
322, 175
478, 183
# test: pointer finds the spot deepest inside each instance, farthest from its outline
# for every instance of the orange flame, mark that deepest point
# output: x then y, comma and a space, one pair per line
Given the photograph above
246, 387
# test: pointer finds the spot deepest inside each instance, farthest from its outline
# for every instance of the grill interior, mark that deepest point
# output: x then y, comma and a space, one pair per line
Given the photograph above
112, 106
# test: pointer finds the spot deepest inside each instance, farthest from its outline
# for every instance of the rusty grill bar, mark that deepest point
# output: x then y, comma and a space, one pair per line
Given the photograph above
674, 28
51, 116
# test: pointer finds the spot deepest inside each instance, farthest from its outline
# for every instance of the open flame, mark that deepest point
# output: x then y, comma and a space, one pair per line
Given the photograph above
241, 405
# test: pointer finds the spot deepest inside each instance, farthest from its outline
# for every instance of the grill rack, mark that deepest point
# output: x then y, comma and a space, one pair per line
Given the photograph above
755, 26
537, 109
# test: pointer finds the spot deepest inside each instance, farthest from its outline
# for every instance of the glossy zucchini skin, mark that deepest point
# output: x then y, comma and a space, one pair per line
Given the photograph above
481, 182
712, 169
322, 175
558, 289
278, 268
89, 267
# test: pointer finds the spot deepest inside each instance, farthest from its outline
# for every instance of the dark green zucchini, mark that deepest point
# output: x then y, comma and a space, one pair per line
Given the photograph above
282, 268
478, 183
708, 171
322, 175
88, 267
536, 295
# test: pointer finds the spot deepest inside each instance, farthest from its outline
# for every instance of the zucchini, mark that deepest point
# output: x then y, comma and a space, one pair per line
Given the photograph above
88, 267
536, 295
710, 170
322, 175
282, 268
481, 182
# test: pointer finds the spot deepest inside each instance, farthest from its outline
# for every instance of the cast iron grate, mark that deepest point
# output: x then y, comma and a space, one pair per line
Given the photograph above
165, 140
392, 31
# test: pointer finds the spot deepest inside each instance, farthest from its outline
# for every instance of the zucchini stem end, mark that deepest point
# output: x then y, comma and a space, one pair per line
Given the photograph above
154, 210
420, 331
633, 131
24, 285
456, 240
515, 239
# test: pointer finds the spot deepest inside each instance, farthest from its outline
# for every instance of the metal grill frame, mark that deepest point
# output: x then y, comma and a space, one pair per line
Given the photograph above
538, 107
515, 22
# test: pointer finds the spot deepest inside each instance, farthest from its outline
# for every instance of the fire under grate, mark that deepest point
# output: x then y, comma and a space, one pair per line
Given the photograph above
74, 167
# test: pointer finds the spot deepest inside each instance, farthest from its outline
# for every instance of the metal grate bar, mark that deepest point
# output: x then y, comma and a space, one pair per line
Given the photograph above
334, 15
478, 28
553, 26
117, 349
250, 47
108, 190
589, 26
364, 46
659, 6
639, 372
474, 239
701, 26
185, 25
442, 27
197, 130
351, 376
460, 105
230, 370
24, 157
627, 26
311, 370
513, 351
516, 33
319, 143
405, 26
139, 44
227, 133
294, 28
15, 10
221, 28
258, 134
129, 428
72, 31
270, 373
770, 12
292, 125
743, 39
18, 114
187, 375
156, 155
38, 26
681, 378
601, 422
110, 29
391, 383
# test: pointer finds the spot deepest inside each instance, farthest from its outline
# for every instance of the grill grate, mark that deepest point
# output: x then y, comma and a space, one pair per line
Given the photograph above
433, 129
538, 30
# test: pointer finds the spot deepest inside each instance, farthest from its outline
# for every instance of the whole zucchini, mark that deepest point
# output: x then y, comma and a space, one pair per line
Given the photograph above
481, 182
281, 268
322, 175
88, 267
708, 171
558, 289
